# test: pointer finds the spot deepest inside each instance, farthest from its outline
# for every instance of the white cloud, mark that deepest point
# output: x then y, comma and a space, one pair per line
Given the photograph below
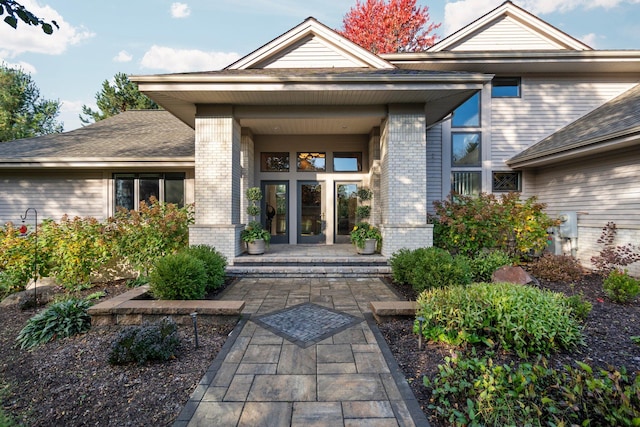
28, 38
123, 56
20, 65
457, 14
185, 60
589, 39
180, 10
70, 113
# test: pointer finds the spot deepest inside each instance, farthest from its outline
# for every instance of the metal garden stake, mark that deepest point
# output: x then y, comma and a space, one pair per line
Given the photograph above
420, 325
194, 317
23, 230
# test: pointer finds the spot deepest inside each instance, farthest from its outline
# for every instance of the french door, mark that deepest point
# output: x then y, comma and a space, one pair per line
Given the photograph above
275, 211
311, 209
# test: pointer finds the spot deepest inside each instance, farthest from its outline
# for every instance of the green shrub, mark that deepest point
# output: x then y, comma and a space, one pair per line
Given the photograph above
486, 262
180, 276
402, 263
520, 318
620, 287
579, 307
557, 268
17, 254
214, 263
156, 341
476, 392
436, 268
59, 320
77, 247
469, 224
156, 229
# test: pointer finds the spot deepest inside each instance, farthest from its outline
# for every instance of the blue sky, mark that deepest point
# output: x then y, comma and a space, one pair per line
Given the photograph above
98, 39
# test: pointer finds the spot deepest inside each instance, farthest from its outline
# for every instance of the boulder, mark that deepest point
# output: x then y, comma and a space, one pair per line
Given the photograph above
25, 299
42, 281
511, 274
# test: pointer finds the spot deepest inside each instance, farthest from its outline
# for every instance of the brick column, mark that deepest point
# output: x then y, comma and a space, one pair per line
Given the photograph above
217, 182
247, 180
403, 185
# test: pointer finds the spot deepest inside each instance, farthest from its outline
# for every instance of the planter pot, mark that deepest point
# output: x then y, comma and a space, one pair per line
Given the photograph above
369, 247
256, 247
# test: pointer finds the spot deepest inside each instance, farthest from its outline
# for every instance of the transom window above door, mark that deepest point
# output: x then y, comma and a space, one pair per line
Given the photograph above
347, 162
312, 162
274, 162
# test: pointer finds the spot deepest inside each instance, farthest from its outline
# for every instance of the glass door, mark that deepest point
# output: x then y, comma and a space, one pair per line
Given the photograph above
346, 203
276, 210
311, 223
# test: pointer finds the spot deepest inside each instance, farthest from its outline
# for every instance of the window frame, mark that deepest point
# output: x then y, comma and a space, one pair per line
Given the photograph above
504, 80
314, 154
266, 154
476, 172
479, 113
518, 175
135, 178
347, 155
470, 165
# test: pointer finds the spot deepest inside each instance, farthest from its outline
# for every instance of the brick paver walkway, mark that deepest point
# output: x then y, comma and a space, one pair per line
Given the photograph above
262, 379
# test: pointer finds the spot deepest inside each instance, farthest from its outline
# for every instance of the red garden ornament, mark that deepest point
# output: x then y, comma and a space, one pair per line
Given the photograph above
23, 230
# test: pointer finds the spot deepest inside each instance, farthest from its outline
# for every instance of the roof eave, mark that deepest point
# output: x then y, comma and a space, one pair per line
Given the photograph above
35, 163
624, 139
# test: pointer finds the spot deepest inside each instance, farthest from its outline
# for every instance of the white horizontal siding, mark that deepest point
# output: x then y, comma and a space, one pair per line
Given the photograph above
602, 188
311, 53
506, 34
434, 166
52, 194
546, 105
605, 187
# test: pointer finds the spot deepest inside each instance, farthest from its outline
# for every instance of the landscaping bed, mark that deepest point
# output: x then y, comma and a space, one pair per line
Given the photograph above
607, 332
69, 382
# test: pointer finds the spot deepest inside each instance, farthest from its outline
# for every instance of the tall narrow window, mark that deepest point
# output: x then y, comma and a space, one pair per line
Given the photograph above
125, 191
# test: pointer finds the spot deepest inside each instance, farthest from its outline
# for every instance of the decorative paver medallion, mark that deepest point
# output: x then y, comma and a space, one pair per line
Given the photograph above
306, 324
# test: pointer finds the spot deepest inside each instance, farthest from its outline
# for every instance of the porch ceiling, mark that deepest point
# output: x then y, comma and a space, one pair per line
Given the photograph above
340, 102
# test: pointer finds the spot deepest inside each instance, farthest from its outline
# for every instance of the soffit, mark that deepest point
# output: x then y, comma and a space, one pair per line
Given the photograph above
441, 92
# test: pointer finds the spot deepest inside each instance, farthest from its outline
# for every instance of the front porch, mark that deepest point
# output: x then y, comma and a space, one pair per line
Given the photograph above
313, 260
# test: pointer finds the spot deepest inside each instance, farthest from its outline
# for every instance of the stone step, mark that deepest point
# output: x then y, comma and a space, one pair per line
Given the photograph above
310, 261
334, 271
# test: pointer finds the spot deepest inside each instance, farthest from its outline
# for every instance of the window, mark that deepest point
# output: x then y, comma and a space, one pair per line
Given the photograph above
466, 183
505, 87
468, 114
347, 162
274, 162
506, 181
132, 188
312, 162
465, 149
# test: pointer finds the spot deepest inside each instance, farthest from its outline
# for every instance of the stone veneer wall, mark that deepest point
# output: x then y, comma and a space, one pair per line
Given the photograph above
217, 182
404, 180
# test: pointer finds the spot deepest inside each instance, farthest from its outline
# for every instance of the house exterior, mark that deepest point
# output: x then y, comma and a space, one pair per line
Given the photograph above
507, 103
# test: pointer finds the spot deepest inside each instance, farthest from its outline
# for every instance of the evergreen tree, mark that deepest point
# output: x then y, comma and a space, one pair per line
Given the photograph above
123, 95
23, 114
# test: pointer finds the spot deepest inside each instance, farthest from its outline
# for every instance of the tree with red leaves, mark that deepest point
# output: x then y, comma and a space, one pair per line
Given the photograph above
396, 26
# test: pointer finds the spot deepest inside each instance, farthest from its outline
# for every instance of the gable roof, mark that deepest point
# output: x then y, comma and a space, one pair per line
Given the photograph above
135, 136
488, 33
615, 124
316, 39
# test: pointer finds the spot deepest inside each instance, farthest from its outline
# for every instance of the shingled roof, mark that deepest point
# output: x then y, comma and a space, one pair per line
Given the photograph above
617, 120
146, 135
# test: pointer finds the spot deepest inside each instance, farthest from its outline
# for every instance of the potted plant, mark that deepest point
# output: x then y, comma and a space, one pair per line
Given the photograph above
255, 236
366, 238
